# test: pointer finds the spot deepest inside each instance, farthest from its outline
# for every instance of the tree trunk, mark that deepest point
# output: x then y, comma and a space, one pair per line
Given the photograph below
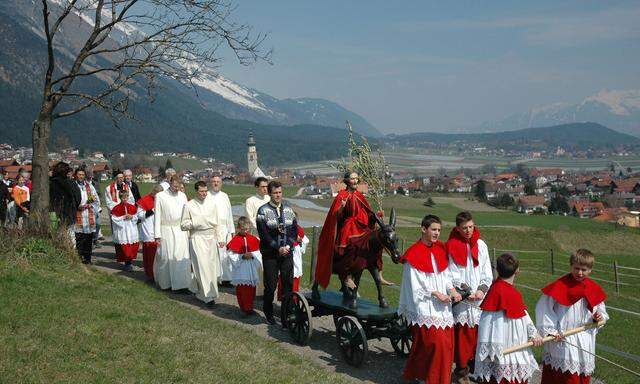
41, 135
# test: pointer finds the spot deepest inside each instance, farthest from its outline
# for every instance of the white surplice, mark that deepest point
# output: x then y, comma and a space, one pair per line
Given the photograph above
417, 304
251, 206
146, 226
246, 272
497, 332
226, 230
199, 217
474, 277
298, 251
552, 317
172, 267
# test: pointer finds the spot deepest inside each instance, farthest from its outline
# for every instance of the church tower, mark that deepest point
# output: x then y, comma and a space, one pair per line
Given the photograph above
252, 155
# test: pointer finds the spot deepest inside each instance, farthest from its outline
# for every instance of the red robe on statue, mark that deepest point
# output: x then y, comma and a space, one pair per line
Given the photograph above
352, 221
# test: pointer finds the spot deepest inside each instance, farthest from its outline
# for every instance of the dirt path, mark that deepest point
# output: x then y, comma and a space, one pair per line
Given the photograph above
381, 366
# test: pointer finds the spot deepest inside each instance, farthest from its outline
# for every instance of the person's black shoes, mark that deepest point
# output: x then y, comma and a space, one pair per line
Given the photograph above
271, 320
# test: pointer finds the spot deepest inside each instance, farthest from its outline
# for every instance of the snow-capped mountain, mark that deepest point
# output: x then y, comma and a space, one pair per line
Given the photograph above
214, 92
616, 109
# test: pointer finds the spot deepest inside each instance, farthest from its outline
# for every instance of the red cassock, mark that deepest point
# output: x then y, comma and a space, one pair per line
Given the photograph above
125, 252
556, 376
149, 248
353, 221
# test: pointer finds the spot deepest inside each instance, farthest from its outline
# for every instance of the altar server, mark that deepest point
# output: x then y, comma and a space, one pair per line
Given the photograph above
244, 252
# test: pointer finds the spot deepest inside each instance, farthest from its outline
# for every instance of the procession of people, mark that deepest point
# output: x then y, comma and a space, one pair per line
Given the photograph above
462, 318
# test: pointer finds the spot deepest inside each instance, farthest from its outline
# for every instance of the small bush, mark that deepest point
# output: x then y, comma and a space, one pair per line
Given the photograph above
29, 246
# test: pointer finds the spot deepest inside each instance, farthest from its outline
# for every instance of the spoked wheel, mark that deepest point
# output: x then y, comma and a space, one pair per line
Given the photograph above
298, 317
352, 340
335, 320
401, 339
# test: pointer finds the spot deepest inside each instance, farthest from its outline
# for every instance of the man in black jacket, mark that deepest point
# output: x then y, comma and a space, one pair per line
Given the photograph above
278, 230
128, 179
4, 198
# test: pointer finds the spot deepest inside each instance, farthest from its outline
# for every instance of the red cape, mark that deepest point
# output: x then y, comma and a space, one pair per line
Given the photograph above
457, 246
503, 296
300, 235
123, 208
326, 242
237, 244
418, 256
567, 291
146, 202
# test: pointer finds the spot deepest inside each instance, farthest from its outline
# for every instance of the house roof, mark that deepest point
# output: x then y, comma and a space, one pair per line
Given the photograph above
585, 205
531, 201
535, 172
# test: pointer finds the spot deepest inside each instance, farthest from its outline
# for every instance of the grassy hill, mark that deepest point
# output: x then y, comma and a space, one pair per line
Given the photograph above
63, 323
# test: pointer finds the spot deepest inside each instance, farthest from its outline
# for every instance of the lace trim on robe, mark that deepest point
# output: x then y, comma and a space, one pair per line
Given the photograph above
577, 367
427, 321
509, 372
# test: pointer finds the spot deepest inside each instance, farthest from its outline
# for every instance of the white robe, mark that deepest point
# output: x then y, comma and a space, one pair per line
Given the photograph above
246, 272
497, 332
473, 277
552, 317
125, 231
199, 217
417, 304
165, 185
251, 206
172, 267
112, 201
298, 251
226, 230
146, 226
85, 227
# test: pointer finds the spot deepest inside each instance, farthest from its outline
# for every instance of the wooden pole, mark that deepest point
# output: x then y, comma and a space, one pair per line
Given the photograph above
546, 339
617, 277
553, 269
314, 254
494, 272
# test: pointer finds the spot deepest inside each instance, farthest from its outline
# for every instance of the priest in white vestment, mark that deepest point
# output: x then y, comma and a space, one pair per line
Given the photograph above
199, 217
226, 228
171, 267
258, 200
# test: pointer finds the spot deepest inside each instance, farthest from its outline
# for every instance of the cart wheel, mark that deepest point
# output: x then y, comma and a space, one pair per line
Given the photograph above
352, 340
298, 317
336, 318
402, 339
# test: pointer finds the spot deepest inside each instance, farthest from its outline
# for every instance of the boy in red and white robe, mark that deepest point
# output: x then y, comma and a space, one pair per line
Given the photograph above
146, 218
299, 249
470, 266
125, 231
569, 302
244, 252
425, 302
505, 323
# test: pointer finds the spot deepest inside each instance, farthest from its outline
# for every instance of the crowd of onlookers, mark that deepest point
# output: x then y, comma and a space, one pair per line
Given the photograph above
15, 197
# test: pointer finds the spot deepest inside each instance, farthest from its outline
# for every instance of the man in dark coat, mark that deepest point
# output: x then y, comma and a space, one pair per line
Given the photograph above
4, 198
128, 179
63, 194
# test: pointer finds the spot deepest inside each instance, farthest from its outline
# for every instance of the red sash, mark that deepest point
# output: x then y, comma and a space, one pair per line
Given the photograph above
503, 296
567, 291
92, 216
114, 193
419, 256
457, 246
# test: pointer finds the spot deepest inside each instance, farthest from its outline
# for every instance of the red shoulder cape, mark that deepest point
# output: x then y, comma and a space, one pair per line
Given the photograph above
327, 238
503, 296
237, 244
146, 202
123, 208
418, 256
300, 235
567, 291
457, 247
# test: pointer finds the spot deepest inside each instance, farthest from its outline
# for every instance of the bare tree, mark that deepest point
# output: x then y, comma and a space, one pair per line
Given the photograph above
130, 45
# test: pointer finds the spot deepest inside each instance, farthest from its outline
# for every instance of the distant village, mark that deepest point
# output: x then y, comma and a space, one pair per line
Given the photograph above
608, 195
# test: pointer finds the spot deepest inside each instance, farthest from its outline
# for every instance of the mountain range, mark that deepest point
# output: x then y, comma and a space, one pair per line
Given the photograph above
213, 120
574, 136
616, 109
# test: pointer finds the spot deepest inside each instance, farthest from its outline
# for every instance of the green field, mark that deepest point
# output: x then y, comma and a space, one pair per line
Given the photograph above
63, 323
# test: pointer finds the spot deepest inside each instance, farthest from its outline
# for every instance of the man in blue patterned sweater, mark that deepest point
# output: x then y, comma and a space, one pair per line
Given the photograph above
278, 230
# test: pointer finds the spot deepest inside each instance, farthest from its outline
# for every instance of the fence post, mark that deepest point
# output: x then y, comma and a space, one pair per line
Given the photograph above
617, 277
493, 262
314, 254
553, 269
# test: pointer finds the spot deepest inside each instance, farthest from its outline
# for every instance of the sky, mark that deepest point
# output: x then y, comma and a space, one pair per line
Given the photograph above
415, 66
